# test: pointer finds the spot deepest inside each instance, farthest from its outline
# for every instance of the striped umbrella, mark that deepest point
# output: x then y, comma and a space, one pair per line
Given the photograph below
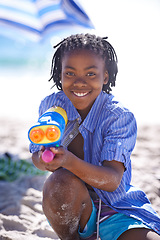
37, 19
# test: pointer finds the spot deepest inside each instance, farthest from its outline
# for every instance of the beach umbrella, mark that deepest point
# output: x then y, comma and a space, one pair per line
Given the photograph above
39, 19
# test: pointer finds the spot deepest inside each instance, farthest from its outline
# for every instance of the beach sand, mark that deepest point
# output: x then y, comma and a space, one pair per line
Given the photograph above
21, 215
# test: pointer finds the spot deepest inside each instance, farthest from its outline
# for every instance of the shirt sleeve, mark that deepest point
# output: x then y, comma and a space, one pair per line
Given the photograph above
34, 148
120, 139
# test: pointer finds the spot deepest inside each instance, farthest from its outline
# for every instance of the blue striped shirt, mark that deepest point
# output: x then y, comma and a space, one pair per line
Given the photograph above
109, 133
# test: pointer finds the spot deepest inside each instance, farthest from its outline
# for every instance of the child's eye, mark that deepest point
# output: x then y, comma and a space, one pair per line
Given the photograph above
70, 74
90, 74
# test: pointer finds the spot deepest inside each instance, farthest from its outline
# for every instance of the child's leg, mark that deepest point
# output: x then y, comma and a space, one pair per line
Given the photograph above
139, 234
66, 203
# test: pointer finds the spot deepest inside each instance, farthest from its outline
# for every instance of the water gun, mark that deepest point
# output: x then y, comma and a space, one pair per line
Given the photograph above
48, 131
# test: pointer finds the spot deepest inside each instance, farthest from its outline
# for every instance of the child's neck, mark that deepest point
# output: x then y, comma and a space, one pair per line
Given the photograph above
83, 114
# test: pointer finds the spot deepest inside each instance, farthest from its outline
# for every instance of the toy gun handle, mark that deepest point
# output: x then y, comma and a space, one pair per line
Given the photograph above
47, 155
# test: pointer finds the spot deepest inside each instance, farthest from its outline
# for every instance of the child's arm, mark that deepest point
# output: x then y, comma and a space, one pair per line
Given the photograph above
106, 177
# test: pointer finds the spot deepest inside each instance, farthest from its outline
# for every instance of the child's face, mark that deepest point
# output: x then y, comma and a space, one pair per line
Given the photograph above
83, 76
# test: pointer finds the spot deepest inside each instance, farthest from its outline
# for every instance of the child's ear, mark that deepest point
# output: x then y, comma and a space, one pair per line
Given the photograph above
106, 77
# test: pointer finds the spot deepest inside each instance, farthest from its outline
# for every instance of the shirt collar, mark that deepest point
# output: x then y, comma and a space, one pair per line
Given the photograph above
72, 113
91, 120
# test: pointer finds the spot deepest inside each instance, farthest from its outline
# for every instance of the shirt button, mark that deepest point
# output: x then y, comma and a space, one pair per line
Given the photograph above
119, 143
71, 136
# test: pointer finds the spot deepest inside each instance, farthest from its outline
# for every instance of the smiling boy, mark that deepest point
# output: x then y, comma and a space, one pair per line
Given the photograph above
89, 189
83, 77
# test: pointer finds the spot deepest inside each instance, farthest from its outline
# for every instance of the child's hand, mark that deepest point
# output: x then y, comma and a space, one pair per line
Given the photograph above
61, 159
37, 159
41, 164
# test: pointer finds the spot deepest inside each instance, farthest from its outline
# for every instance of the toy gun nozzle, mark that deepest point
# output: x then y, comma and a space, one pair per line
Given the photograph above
52, 134
44, 134
36, 135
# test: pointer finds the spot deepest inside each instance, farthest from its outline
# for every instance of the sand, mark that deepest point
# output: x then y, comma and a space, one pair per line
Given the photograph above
21, 215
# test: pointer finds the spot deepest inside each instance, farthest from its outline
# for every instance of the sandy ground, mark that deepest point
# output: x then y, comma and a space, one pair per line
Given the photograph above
21, 215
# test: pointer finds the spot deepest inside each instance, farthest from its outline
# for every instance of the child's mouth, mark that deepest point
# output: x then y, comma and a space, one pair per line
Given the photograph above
80, 94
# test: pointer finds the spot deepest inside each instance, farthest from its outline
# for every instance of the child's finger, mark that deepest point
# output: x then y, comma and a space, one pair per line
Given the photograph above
58, 150
42, 148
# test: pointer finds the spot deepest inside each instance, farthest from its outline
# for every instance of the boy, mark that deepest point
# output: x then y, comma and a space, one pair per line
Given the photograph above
92, 169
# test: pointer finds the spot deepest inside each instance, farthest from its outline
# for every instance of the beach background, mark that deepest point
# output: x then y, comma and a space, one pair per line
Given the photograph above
133, 30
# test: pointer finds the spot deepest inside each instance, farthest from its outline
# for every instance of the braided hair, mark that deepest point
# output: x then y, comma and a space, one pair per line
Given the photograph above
97, 45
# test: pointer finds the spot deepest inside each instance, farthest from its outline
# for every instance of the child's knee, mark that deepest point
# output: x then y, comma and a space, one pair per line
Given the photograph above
61, 185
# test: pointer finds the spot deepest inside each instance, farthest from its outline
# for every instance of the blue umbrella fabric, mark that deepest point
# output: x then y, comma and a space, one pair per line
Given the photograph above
37, 19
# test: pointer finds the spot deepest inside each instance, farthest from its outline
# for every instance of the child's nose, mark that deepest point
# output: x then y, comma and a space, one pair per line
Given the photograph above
80, 82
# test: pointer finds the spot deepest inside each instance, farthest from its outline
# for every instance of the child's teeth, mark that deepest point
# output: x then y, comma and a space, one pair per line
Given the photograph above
80, 94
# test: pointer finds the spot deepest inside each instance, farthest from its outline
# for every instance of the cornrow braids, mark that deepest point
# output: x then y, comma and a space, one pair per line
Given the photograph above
98, 45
